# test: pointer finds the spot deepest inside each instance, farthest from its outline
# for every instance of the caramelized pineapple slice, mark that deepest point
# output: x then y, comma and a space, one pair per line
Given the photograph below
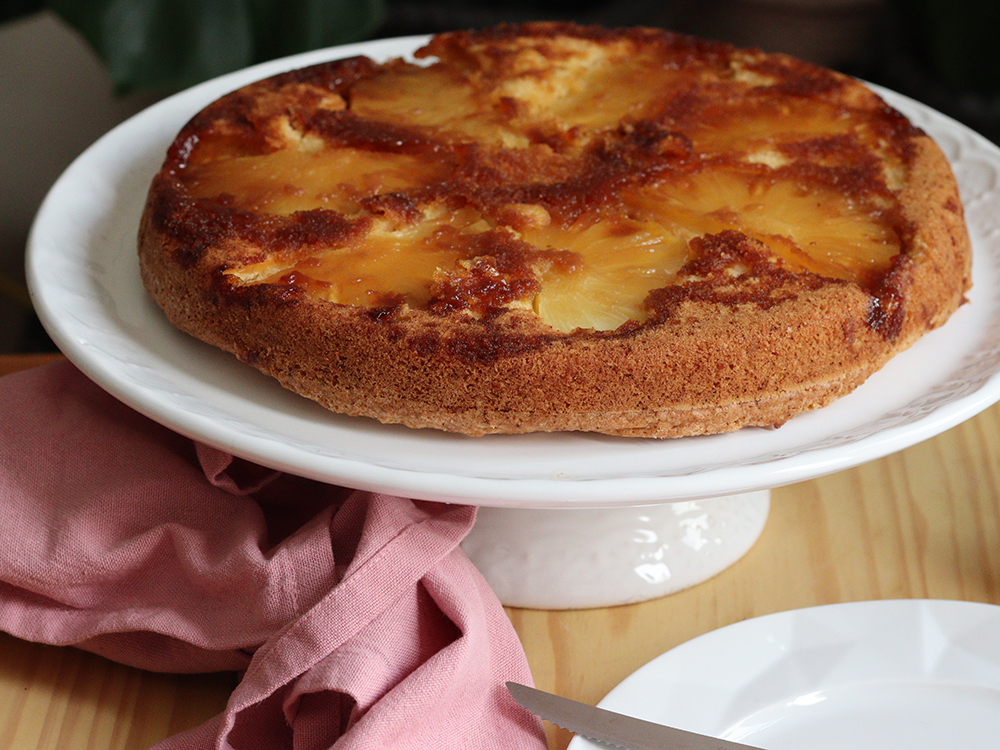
620, 262
816, 229
438, 101
300, 179
393, 264
589, 92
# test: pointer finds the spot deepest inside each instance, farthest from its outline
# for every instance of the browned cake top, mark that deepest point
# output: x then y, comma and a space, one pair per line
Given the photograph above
598, 178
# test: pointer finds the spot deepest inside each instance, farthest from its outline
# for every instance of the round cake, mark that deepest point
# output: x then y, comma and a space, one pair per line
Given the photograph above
547, 227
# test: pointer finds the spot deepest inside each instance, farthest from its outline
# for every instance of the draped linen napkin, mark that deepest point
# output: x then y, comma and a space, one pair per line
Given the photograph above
355, 618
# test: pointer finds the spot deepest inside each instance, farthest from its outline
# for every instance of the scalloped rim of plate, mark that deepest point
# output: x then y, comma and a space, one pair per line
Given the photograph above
740, 681
90, 300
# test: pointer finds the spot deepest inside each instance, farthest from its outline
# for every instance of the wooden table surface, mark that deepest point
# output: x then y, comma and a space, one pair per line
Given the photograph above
923, 523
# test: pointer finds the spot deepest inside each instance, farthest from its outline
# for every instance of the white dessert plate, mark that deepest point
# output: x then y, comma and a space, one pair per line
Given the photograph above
914, 674
83, 275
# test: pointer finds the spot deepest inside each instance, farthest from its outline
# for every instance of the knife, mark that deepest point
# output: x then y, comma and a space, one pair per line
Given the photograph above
612, 728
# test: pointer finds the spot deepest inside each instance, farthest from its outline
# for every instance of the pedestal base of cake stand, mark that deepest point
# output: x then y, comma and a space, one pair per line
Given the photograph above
580, 558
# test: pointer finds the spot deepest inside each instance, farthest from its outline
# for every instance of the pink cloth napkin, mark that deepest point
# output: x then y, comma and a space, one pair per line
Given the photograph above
355, 618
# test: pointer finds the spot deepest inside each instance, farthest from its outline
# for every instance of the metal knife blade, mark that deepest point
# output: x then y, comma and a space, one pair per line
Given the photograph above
612, 728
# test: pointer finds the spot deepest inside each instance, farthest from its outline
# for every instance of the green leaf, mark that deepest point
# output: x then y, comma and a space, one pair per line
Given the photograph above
284, 28
167, 45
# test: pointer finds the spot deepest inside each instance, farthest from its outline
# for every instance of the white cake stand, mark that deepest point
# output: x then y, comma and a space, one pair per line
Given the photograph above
568, 520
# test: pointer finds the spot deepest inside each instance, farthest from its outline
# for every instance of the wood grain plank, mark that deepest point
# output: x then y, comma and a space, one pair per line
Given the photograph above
62, 698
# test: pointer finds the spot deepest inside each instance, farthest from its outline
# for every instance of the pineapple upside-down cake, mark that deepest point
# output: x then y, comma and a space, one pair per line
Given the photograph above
546, 227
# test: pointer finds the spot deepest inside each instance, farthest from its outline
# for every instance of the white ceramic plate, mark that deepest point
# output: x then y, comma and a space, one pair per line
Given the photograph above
83, 275
913, 674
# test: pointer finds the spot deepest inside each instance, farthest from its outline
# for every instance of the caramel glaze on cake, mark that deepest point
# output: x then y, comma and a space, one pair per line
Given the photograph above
547, 227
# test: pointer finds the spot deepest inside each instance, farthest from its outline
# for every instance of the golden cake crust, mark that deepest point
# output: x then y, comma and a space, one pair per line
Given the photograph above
748, 330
